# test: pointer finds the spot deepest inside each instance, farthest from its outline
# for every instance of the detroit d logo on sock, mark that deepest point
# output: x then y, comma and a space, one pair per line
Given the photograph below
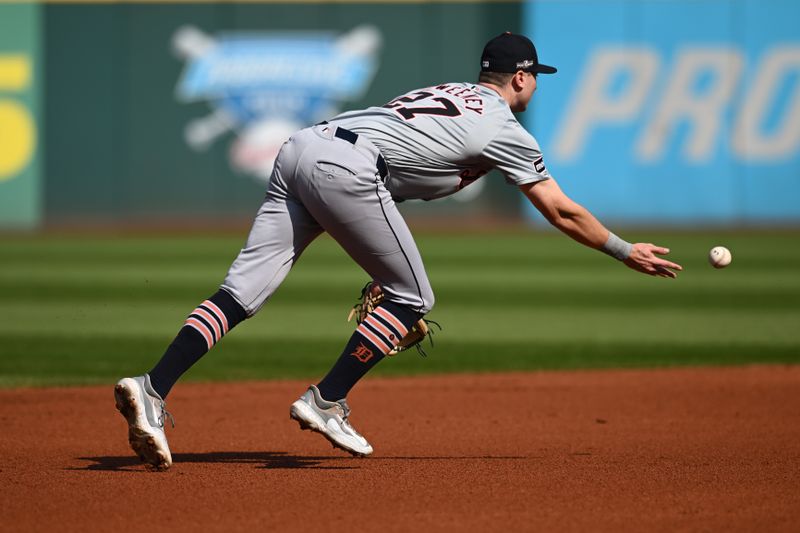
362, 353
264, 86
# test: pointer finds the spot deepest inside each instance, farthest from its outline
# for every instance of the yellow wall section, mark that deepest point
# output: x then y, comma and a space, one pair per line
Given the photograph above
17, 128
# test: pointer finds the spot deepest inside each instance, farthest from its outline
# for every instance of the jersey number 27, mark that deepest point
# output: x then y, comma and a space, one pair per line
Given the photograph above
446, 108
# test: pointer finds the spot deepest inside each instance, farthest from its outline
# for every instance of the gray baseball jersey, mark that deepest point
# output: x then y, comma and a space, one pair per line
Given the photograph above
333, 177
440, 139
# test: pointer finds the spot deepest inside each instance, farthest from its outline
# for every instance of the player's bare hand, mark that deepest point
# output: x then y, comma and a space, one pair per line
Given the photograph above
644, 258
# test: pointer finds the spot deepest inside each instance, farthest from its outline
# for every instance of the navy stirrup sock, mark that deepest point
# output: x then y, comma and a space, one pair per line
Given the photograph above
376, 336
204, 327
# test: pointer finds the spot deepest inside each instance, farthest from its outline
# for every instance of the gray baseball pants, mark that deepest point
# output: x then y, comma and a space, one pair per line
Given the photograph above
329, 181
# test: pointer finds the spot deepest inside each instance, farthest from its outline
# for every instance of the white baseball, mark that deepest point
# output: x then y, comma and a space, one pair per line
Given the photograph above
719, 257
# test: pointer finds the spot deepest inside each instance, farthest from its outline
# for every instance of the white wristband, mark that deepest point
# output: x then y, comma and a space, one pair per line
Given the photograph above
616, 247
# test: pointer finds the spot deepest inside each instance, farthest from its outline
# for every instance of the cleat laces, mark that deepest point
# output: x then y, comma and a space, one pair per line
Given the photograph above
345, 416
165, 414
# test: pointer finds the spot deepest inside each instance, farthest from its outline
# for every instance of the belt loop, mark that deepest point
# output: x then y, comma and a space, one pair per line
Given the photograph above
346, 135
383, 170
352, 137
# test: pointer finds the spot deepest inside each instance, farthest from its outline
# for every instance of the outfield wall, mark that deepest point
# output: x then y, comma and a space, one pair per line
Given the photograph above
663, 111
20, 116
160, 112
679, 111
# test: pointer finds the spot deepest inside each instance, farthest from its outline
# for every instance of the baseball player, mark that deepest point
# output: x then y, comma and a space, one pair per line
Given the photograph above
345, 177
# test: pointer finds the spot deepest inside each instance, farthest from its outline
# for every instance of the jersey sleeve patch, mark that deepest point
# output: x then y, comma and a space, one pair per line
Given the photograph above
516, 154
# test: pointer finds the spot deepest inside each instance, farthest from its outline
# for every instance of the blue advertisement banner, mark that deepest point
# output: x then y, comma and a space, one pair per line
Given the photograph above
683, 111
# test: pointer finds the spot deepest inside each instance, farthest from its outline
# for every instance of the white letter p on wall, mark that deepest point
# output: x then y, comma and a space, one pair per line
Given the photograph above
593, 105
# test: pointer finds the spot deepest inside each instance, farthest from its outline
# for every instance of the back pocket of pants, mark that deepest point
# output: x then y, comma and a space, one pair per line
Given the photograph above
331, 171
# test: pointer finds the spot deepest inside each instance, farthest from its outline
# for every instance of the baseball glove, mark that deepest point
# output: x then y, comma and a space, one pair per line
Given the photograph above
371, 297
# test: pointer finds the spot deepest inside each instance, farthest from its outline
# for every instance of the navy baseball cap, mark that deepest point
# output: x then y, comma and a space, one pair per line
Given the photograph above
509, 53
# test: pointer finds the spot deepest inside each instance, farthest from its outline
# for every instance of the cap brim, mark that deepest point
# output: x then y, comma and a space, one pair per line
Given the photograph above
545, 69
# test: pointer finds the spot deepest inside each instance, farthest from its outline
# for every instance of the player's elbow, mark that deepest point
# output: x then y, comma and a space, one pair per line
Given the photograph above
565, 212
556, 214
551, 202
551, 215
561, 220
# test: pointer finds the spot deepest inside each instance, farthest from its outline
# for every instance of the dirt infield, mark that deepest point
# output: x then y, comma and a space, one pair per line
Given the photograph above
686, 449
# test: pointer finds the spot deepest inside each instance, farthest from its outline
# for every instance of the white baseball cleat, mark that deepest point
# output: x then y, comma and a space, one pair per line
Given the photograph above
330, 420
145, 412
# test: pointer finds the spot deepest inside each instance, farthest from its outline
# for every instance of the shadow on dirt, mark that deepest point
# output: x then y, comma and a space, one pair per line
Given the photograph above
272, 460
269, 460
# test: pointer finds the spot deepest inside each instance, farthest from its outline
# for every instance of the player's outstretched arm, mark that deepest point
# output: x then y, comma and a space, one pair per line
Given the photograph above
577, 222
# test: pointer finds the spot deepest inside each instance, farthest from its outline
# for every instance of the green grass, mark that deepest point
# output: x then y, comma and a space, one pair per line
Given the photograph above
89, 309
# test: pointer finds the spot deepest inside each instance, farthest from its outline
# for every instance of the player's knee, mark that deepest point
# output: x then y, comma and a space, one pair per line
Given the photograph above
419, 301
428, 299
